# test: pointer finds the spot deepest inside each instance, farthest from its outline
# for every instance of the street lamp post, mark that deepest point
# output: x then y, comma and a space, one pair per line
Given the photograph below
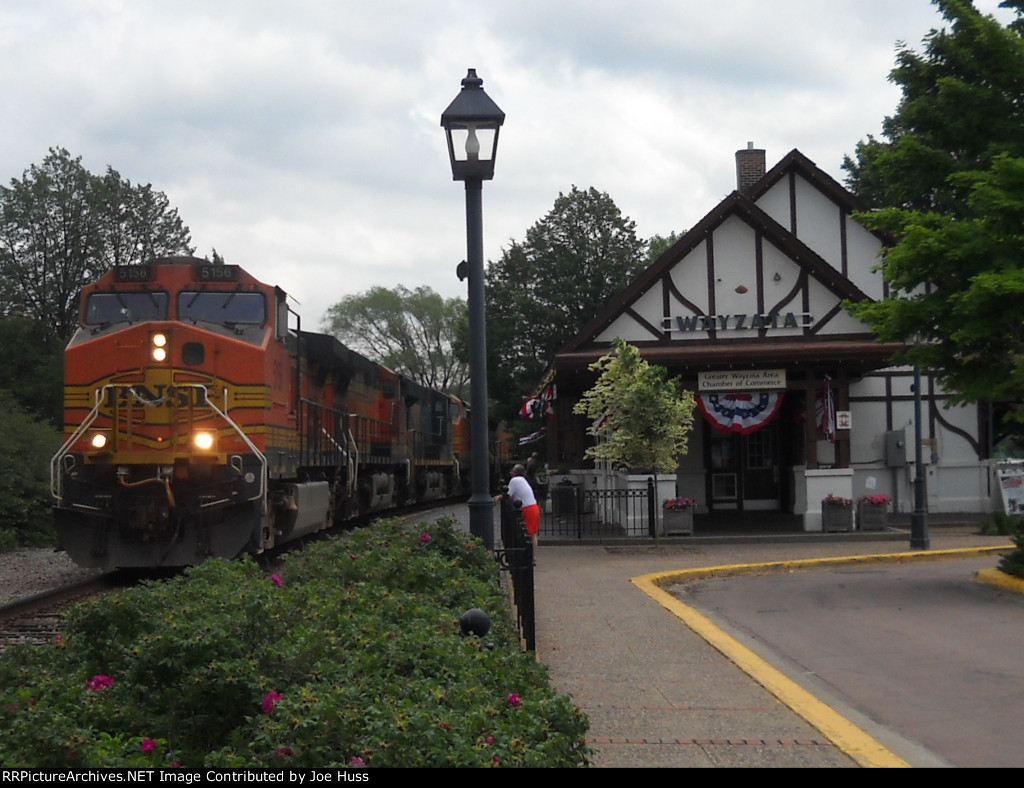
919, 539
471, 124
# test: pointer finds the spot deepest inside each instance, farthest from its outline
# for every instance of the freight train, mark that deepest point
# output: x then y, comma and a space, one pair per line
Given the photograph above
201, 420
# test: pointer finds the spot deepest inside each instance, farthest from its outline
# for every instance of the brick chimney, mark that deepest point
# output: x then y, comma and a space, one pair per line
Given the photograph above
750, 167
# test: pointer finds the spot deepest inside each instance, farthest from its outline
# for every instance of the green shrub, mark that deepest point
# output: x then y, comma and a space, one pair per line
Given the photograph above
1003, 524
26, 446
1013, 562
353, 655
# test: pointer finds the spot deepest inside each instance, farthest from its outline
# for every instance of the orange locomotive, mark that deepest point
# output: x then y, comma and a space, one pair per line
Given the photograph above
200, 420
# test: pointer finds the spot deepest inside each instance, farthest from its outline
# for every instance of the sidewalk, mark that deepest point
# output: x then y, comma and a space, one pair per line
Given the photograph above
657, 693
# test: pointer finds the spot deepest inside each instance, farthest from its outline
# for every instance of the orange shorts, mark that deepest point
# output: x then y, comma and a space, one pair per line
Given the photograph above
531, 518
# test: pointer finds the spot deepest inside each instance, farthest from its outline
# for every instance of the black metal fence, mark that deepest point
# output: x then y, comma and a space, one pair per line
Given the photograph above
573, 512
515, 557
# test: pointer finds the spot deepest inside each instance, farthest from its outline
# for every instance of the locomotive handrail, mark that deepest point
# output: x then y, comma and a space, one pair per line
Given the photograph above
56, 477
260, 456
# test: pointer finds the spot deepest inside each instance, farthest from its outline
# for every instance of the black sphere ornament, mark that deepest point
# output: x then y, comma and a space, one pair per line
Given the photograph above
475, 622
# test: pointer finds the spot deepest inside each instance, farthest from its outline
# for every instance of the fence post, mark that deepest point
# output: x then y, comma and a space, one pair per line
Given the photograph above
652, 511
516, 558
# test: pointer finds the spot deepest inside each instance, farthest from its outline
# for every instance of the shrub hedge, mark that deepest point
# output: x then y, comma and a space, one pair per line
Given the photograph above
350, 655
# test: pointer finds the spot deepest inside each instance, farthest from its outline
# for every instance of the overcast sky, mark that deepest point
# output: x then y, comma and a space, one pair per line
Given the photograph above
302, 139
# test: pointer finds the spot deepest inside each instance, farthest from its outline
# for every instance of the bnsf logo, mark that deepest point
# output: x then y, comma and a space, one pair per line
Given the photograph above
159, 395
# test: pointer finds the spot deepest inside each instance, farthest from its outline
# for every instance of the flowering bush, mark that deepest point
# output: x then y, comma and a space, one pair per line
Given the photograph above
875, 500
836, 500
350, 664
679, 503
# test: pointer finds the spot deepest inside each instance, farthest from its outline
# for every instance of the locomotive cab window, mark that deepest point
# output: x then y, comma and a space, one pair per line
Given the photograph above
105, 309
229, 308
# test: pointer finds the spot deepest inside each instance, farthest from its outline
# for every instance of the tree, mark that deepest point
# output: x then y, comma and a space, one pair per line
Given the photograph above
26, 446
544, 290
417, 333
645, 417
61, 227
32, 359
657, 245
961, 107
948, 188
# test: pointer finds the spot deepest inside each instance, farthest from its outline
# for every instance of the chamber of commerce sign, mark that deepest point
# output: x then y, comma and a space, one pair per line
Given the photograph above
742, 380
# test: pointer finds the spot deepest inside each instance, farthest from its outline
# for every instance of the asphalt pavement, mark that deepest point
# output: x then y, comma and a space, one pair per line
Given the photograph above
664, 685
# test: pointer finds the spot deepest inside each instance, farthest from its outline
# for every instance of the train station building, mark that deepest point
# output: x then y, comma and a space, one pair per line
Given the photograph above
797, 399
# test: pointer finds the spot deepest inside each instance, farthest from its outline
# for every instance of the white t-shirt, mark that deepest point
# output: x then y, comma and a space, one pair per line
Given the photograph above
520, 489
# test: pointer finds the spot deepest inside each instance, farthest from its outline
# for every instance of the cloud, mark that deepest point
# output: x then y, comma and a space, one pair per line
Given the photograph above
302, 139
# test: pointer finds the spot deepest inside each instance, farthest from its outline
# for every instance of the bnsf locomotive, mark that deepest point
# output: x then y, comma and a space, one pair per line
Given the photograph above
200, 420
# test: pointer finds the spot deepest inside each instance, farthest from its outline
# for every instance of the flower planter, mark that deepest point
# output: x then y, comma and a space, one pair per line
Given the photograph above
836, 516
872, 516
677, 522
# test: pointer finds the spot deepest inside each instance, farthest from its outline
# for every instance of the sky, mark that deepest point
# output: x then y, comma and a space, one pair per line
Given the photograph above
302, 140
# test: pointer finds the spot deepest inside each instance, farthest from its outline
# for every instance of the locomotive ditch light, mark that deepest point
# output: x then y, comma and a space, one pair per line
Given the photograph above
159, 351
99, 440
204, 441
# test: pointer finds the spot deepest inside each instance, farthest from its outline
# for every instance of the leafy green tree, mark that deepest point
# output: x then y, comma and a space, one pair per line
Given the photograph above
26, 446
948, 187
33, 362
657, 245
645, 417
61, 227
545, 289
417, 333
961, 107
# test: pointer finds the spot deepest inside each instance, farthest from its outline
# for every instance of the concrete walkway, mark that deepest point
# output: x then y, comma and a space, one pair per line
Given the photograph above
662, 686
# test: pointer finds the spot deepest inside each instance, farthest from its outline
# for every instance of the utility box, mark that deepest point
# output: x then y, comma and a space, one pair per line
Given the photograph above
896, 448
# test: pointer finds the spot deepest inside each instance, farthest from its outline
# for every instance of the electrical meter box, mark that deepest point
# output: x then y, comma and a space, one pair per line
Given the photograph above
896, 448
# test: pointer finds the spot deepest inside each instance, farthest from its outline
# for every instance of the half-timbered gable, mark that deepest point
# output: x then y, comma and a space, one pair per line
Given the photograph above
748, 308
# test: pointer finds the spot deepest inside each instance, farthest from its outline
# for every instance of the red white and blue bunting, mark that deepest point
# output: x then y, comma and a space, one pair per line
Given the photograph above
542, 406
742, 412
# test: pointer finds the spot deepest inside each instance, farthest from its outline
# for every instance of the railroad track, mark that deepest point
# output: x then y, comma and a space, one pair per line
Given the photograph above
37, 619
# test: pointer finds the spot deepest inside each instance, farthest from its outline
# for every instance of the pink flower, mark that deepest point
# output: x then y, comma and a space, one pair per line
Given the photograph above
283, 752
514, 699
148, 745
353, 556
490, 740
99, 683
276, 580
496, 760
356, 761
269, 700
424, 538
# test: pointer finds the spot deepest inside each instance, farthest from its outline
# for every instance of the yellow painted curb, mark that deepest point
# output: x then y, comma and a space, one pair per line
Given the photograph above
999, 579
857, 744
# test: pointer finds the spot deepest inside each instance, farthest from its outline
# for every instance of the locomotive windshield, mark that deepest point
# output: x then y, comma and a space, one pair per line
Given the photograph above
104, 309
222, 307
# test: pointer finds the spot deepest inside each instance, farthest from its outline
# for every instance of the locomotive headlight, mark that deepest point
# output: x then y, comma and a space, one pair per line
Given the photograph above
203, 441
159, 347
98, 440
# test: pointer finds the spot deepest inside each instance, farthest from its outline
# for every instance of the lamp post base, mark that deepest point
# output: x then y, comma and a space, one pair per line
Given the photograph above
919, 539
481, 520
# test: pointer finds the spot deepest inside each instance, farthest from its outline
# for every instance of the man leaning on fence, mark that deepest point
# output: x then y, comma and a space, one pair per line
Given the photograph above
519, 489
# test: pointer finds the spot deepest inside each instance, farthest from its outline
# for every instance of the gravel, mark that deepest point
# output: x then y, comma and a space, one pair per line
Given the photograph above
28, 571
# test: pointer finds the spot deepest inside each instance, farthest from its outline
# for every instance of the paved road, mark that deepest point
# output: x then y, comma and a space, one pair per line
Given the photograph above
916, 653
